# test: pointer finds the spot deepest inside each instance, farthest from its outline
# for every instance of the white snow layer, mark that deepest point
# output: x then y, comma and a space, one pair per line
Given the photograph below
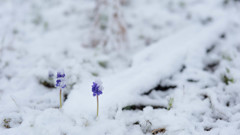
198, 64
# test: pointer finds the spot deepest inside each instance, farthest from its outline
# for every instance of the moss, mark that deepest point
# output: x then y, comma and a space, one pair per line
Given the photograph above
227, 79
127, 108
45, 25
103, 27
103, 64
170, 103
182, 4
94, 74
6, 122
141, 37
227, 57
228, 70
37, 20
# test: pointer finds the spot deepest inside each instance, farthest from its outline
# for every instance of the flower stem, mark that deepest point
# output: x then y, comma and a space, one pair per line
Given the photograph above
97, 105
60, 96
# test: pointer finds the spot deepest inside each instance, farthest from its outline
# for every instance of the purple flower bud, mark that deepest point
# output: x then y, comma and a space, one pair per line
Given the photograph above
97, 88
50, 74
60, 82
60, 74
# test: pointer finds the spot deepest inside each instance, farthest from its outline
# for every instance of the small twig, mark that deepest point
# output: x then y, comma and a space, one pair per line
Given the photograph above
18, 106
214, 109
15, 102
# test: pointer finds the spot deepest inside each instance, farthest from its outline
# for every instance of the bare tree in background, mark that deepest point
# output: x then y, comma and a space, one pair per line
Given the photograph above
109, 28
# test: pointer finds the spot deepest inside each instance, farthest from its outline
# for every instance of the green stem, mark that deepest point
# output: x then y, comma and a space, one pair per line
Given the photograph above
97, 106
60, 96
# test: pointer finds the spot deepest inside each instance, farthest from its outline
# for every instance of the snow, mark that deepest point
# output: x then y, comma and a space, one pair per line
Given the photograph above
185, 50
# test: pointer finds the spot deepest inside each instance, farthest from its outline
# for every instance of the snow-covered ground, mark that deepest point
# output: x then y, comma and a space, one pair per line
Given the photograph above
180, 52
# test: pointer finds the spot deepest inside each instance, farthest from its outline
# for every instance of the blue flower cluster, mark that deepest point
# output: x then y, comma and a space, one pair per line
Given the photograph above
97, 88
60, 82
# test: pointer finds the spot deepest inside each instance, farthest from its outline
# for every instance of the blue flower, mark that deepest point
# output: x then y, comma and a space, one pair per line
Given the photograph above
60, 74
60, 82
97, 88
